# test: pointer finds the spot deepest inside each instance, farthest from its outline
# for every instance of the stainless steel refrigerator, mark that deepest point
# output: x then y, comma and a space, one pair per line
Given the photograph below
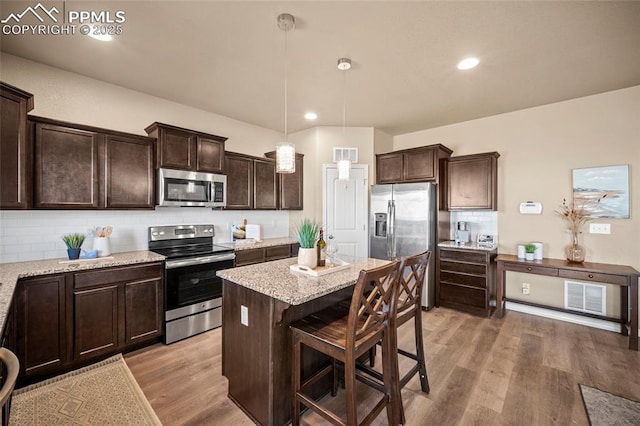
403, 222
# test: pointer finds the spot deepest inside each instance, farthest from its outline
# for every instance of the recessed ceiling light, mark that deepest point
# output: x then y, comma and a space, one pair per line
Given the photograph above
468, 63
101, 37
311, 116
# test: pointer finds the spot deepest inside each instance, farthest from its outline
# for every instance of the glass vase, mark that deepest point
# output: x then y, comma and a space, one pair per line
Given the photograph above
575, 252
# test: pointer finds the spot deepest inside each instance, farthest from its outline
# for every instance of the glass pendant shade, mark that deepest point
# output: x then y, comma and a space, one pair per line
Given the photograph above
344, 169
285, 158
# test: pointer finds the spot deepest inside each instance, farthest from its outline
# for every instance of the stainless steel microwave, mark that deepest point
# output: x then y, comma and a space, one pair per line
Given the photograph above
179, 188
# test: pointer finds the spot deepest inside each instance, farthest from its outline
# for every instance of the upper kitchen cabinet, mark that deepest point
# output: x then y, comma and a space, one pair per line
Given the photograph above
251, 182
411, 165
83, 167
265, 196
15, 148
186, 149
290, 185
472, 182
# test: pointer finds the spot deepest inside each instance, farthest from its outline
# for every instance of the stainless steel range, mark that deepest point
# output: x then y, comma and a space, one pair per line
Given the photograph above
193, 292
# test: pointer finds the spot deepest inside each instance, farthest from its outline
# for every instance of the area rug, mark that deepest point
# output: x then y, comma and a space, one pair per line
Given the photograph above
604, 408
105, 393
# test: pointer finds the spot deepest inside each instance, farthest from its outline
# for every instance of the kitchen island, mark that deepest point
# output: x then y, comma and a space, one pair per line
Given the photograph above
258, 304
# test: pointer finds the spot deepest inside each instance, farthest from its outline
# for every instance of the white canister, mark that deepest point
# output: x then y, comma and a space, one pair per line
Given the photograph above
521, 251
103, 245
538, 252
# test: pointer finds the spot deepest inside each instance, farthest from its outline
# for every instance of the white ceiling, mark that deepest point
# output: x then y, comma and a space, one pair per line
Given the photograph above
228, 57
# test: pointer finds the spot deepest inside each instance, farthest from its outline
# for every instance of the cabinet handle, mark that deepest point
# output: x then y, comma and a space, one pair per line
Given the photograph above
528, 268
590, 275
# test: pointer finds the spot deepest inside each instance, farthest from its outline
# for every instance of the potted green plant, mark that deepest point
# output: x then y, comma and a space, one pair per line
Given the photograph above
73, 243
529, 252
306, 232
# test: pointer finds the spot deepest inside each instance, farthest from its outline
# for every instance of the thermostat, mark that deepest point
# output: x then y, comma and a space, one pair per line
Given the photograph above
530, 207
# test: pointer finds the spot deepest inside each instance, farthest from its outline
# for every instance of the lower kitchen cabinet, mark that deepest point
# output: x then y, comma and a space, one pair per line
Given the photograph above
467, 280
266, 254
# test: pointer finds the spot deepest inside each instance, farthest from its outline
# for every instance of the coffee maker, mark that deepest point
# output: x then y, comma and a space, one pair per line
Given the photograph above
462, 233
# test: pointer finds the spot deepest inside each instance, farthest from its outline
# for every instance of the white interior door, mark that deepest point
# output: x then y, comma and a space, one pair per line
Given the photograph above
345, 209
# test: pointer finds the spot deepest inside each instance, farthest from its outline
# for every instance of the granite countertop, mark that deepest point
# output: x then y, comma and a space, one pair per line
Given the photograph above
468, 246
11, 272
276, 280
252, 244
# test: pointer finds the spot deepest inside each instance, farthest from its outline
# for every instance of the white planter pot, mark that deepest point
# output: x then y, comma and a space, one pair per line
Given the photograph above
308, 257
529, 256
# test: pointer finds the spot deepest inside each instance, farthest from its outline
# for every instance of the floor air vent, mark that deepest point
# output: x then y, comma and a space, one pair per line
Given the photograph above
583, 297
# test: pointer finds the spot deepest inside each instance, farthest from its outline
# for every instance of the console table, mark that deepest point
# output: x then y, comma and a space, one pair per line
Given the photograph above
623, 276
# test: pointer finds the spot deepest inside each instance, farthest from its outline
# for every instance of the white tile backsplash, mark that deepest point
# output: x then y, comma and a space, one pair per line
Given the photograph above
479, 222
36, 234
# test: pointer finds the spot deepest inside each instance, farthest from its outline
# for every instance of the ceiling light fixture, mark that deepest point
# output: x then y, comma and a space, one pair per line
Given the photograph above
468, 63
344, 165
311, 116
285, 151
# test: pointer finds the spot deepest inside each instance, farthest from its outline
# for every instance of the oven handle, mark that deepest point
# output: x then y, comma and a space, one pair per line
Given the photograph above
172, 264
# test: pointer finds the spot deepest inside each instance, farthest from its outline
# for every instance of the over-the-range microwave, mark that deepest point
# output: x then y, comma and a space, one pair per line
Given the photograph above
180, 188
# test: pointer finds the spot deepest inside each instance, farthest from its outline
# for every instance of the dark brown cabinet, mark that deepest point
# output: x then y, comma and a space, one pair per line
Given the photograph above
251, 182
95, 321
290, 185
472, 182
466, 280
186, 149
41, 325
421, 164
15, 148
266, 254
83, 167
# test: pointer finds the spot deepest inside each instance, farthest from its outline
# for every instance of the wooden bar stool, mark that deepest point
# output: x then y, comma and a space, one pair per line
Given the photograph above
408, 305
10, 368
345, 338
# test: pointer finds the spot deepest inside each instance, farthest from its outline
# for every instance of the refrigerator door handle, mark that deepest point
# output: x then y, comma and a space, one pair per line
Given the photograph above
392, 228
389, 230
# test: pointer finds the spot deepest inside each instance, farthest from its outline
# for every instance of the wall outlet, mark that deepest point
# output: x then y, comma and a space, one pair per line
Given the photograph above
244, 315
600, 228
525, 288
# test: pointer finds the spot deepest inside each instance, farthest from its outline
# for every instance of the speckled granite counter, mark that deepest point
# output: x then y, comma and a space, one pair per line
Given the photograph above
468, 246
11, 272
274, 279
267, 242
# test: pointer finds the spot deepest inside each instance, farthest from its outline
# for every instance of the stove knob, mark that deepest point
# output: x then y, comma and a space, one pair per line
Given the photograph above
211, 230
154, 234
161, 232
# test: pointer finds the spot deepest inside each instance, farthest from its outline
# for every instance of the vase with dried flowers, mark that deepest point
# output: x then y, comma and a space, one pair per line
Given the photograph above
576, 216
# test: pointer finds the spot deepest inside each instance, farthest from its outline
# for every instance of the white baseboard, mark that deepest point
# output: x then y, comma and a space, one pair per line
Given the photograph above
566, 317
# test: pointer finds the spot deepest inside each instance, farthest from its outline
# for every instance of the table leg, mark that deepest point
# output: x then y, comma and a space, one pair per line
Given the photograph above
500, 290
633, 290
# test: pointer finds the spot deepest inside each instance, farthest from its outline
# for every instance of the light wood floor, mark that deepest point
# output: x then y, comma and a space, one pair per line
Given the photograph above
522, 370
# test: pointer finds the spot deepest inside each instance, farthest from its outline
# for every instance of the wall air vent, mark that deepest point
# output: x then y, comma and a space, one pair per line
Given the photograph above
343, 153
583, 297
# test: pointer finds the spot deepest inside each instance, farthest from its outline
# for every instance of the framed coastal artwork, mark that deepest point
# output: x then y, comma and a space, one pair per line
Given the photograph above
609, 185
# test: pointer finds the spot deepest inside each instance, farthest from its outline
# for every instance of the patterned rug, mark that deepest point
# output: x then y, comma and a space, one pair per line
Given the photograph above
604, 408
105, 393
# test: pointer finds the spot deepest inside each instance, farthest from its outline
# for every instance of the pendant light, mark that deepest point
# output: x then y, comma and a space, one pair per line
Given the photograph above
344, 164
285, 151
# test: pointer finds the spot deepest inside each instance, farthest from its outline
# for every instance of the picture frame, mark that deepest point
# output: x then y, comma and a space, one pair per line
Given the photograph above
603, 191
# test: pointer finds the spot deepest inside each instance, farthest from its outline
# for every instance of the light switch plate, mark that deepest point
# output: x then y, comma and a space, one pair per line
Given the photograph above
244, 315
600, 228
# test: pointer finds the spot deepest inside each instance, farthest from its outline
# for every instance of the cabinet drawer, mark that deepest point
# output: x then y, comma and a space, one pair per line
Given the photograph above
463, 295
278, 252
467, 268
116, 275
248, 257
542, 270
472, 280
593, 276
464, 256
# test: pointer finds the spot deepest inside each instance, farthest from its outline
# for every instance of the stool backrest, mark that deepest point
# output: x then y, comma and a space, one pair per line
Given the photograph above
373, 296
11, 366
410, 282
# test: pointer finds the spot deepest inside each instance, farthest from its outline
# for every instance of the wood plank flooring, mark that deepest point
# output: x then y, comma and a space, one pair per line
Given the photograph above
519, 370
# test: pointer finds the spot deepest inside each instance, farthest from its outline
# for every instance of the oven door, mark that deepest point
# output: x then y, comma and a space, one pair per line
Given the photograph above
193, 280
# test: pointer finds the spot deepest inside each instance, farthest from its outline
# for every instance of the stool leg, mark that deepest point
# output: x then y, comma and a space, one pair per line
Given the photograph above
350, 388
391, 378
422, 366
334, 386
295, 381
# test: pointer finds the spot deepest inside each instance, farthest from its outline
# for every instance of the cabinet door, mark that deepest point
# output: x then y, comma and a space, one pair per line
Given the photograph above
176, 149
291, 187
250, 256
66, 167
419, 165
41, 328
143, 310
210, 155
264, 183
15, 149
239, 182
129, 173
389, 168
472, 182
95, 321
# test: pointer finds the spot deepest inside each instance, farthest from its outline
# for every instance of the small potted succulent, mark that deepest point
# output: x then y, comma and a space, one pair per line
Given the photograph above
529, 252
306, 232
73, 243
